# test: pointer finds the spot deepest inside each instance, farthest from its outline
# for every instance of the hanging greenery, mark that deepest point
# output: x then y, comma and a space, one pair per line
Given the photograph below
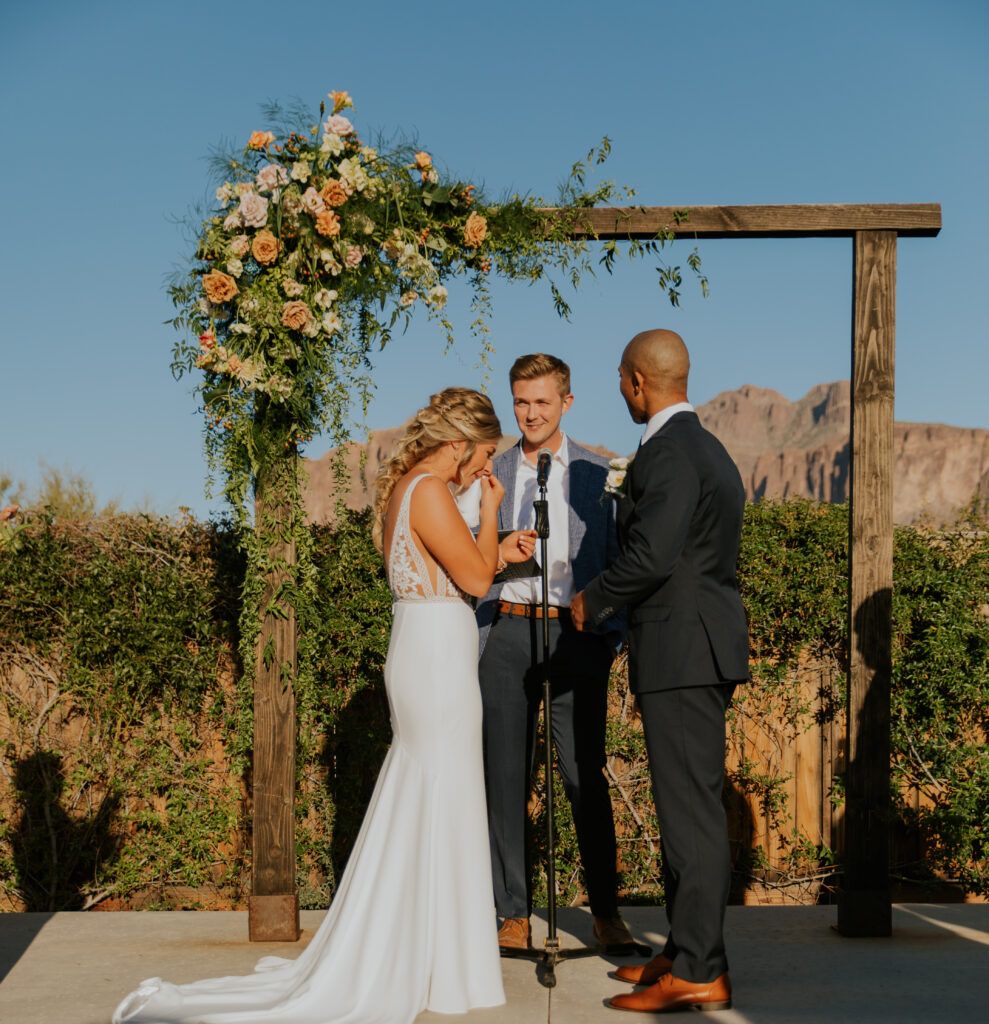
320, 247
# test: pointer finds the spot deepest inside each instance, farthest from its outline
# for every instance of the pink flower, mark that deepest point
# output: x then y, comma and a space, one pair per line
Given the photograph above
271, 176
253, 210
313, 201
337, 124
354, 255
239, 245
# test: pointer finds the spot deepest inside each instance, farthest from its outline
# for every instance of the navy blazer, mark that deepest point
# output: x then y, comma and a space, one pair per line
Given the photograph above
679, 526
591, 520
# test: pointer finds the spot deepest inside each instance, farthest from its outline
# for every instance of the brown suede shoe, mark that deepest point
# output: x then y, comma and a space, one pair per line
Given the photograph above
645, 974
515, 933
671, 993
612, 931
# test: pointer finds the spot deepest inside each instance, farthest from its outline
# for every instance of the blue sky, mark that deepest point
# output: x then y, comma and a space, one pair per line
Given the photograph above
110, 110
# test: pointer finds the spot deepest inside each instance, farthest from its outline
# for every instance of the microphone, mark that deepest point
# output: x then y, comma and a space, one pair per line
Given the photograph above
543, 459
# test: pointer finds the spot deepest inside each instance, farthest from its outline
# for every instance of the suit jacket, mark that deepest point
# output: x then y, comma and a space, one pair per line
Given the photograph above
591, 521
679, 526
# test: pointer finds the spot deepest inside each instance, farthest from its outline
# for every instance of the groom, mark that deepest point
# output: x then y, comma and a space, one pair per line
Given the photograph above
679, 524
582, 542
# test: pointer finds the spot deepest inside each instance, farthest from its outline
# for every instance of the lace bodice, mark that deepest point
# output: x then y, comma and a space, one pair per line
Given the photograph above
408, 575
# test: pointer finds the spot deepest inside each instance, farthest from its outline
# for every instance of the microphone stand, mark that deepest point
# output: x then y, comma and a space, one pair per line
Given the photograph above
552, 952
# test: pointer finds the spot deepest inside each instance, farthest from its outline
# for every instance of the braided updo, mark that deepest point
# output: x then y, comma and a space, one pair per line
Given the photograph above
454, 414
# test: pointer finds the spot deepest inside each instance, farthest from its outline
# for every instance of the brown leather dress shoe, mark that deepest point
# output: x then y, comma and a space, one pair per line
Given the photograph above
646, 974
671, 993
515, 933
612, 931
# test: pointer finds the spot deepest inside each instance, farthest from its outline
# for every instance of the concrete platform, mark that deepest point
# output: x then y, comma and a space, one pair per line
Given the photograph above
788, 965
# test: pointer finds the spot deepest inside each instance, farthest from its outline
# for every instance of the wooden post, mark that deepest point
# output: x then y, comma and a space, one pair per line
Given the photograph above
274, 902
864, 907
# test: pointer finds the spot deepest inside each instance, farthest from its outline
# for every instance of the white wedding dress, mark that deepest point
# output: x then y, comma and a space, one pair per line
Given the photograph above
412, 924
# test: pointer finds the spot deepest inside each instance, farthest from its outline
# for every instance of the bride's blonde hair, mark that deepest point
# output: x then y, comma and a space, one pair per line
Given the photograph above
455, 414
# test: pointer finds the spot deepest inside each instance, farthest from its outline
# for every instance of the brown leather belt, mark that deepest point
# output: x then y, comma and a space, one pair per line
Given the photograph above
531, 611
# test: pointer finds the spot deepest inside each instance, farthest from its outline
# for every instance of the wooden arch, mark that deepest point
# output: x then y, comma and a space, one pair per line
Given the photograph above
864, 907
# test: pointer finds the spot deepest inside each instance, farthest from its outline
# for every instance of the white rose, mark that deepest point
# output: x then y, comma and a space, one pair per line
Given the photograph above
332, 145
235, 268
615, 478
301, 171
437, 296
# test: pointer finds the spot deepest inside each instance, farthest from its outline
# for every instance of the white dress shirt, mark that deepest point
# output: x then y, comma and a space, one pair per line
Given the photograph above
663, 417
523, 517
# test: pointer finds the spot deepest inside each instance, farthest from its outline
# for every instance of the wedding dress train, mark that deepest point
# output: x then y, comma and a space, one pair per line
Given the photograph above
412, 924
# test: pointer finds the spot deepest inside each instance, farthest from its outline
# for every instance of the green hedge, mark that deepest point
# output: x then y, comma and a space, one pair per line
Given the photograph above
125, 732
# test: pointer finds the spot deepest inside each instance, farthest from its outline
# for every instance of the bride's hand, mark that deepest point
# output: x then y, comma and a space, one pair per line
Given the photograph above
492, 491
517, 546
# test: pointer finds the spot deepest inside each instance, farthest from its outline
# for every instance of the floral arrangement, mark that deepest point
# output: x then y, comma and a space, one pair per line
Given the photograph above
318, 246
614, 483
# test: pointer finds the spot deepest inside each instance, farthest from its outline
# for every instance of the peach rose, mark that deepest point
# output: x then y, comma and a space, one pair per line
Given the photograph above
295, 315
219, 287
335, 192
265, 247
474, 230
328, 223
260, 140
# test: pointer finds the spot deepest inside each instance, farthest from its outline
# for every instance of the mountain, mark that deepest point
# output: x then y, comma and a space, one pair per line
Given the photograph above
786, 448
782, 448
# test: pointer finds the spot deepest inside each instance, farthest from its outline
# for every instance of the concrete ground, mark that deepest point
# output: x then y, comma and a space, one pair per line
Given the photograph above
788, 965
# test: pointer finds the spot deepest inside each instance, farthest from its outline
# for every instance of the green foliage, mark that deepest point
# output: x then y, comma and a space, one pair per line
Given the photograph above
65, 493
126, 721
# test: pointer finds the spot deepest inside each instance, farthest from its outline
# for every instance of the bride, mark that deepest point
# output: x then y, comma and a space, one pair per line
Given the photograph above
412, 924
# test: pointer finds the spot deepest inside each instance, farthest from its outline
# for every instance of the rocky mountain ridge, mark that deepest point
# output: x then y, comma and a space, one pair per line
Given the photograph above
782, 449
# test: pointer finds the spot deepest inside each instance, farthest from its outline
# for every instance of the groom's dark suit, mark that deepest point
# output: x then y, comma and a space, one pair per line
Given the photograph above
679, 526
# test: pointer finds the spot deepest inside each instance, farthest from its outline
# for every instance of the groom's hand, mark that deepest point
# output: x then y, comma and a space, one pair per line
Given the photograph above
578, 612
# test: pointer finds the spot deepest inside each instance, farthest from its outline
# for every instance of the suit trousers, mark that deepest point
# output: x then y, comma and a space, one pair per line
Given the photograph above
511, 679
685, 738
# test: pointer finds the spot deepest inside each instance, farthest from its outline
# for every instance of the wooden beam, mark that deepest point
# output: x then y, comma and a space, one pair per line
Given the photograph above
274, 903
864, 902
803, 221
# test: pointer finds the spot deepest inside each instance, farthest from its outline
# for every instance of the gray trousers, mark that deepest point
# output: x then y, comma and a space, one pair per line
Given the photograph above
511, 690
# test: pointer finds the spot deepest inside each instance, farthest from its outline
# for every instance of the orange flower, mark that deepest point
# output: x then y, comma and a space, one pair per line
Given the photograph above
423, 159
295, 315
335, 193
219, 287
474, 230
340, 99
264, 248
260, 140
328, 223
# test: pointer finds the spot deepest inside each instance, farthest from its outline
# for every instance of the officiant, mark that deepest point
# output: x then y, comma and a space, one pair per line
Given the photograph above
582, 543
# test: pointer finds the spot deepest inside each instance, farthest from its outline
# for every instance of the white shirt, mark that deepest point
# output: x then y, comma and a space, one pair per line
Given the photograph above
523, 517
663, 417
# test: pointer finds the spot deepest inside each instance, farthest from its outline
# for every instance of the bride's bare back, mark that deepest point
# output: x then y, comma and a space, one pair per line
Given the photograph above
439, 532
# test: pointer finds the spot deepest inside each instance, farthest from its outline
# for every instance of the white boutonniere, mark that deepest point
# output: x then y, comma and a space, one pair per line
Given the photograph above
614, 483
